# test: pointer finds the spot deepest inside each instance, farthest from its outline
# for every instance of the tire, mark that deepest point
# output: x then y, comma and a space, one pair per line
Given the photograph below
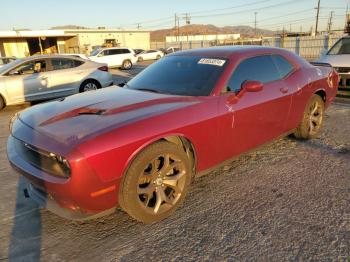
312, 119
140, 59
89, 85
158, 57
156, 182
127, 64
2, 103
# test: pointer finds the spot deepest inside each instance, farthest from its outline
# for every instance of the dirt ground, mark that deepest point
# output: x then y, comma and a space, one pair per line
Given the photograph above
287, 201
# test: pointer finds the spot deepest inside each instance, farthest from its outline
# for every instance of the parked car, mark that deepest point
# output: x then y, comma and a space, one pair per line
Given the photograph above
150, 55
49, 76
138, 51
170, 50
140, 145
339, 57
6, 60
124, 58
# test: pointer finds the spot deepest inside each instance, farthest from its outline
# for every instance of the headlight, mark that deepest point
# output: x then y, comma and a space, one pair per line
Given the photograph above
62, 162
12, 120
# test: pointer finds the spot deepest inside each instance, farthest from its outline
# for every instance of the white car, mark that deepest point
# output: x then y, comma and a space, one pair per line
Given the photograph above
124, 58
49, 76
150, 55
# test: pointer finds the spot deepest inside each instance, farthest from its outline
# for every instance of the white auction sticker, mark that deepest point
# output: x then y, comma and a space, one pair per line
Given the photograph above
211, 61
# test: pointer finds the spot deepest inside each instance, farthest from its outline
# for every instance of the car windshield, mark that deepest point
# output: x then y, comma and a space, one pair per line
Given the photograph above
342, 47
8, 66
180, 75
95, 52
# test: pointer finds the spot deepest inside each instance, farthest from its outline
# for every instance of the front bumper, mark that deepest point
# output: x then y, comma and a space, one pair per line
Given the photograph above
71, 197
45, 200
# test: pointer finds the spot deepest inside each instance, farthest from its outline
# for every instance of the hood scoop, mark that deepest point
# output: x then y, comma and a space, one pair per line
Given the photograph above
73, 113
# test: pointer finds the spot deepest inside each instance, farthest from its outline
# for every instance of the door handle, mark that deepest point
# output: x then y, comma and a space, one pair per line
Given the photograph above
284, 90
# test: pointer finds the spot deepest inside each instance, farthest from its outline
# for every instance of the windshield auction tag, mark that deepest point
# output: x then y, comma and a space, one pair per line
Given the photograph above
211, 61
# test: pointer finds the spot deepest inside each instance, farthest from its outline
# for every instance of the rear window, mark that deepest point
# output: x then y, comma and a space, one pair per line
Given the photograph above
181, 75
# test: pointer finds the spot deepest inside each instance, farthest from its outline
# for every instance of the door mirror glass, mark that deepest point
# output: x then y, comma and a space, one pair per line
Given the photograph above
252, 86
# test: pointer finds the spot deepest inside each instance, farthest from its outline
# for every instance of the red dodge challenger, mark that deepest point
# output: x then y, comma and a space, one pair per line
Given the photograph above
140, 145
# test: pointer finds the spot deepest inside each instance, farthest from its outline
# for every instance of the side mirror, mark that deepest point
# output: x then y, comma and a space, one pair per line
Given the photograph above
252, 86
100, 54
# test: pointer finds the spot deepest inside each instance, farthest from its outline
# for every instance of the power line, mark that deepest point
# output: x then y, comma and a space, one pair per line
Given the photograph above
247, 10
232, 7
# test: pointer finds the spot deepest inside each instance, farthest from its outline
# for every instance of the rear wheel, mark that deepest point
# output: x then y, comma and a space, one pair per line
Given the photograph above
312, 119
89, 85
127, 64
156, 183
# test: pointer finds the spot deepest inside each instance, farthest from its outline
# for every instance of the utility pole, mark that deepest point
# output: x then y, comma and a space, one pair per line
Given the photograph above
317, 15
175, 28
255, 23
329, 28
138, 25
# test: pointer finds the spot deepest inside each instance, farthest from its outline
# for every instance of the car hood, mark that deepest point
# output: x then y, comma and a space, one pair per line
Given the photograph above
336, 60
73, 119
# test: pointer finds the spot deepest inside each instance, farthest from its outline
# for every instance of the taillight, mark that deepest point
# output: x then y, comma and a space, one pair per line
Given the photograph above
103, 68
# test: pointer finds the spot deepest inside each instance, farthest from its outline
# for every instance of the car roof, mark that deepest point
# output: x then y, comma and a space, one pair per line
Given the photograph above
29, 58
228, 51
107, 48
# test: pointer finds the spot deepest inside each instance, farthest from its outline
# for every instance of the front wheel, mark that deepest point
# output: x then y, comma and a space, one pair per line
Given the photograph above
156, 183
127, 64
312, 119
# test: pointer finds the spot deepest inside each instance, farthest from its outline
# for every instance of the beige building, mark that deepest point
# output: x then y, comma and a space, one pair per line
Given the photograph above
27, 42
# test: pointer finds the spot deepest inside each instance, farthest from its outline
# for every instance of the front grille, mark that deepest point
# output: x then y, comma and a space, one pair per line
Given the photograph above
342, 70
41, 159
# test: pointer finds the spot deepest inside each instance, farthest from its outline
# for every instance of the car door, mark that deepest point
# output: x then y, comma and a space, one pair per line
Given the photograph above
28, 81
65, 77
256, 117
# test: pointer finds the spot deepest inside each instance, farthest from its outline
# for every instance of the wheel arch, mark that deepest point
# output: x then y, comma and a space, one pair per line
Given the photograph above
322, 93
3, 97
178, 139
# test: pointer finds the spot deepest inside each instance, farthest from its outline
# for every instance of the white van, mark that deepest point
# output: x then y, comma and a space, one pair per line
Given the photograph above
121, 57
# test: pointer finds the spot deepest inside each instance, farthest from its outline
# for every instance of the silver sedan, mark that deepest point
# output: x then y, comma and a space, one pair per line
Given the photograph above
49, 76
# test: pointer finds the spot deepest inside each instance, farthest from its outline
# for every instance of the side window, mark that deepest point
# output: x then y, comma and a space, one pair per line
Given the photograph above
125, 51
59, 64
284, 67
259, 68
29, 68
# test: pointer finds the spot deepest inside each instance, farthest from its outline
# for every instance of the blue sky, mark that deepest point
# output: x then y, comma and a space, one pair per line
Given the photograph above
271, 14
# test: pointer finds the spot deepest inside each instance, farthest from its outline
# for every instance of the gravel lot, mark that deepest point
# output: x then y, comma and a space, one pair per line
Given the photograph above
287, 201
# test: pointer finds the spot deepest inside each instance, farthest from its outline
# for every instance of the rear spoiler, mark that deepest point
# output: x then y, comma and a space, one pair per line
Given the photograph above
320, 64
